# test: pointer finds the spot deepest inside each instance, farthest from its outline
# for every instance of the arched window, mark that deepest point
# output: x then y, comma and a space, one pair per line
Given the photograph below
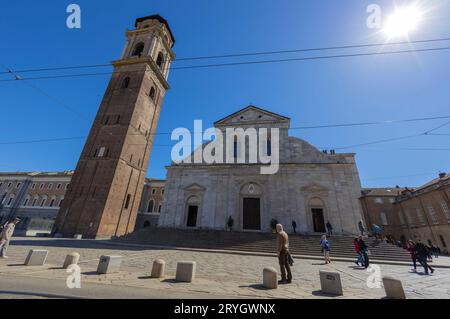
383, 218
138, 49
152, 93
160, 60
126, 83
159, 209
150, 206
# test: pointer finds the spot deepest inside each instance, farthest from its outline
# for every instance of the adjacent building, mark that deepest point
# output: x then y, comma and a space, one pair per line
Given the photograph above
310, 186
34, 197
151, 204
424, 213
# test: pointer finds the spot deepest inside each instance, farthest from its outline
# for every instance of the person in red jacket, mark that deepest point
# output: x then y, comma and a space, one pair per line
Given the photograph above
358, 252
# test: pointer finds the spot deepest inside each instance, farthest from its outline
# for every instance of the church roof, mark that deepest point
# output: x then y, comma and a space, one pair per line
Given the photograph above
254, 108
160, 19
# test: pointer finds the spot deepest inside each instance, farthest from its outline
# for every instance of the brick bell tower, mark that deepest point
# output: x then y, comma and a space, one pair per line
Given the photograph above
105, 191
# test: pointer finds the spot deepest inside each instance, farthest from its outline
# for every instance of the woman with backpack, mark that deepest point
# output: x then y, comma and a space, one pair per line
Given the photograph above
325, 244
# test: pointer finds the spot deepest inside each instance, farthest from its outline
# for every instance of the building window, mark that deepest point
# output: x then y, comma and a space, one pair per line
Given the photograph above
41, 186
9, 184
150, 206
58, 186
49, 186
60, 202
25, 203
138, 49
378, 200
67, 186
52, 202
154, 191
159, 208
420, 216
269, 147
34, 201
101, 152
10, 200
391, 200
125, 83
402, 219
18, 185
445, 210
235, 147
152, 93
433, 215
162, 191
33, 186
383, 218
43, 202
160, 60
127, 201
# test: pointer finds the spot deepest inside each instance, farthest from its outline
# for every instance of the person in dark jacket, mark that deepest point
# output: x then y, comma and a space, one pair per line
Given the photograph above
364, 251
422, 256
360, 260
329, 228
294, 226
413, 252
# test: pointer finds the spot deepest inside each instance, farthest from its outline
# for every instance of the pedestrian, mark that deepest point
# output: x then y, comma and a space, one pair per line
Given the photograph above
294, 226
361, 228
360, 260
283, 255
377, 231
329, 228
325, 244
422, 256
364, 250
5, 237
411, 247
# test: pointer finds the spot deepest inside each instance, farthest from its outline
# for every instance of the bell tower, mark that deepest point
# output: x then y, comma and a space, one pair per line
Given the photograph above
106, 188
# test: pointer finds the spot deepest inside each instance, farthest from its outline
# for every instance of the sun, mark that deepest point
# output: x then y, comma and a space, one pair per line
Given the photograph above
402, 22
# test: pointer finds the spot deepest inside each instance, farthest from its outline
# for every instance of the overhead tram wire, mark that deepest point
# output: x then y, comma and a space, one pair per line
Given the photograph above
234, 55
237, 63
58, 139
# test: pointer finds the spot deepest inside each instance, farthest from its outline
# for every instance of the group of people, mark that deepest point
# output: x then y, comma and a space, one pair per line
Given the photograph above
362, 251
420, 253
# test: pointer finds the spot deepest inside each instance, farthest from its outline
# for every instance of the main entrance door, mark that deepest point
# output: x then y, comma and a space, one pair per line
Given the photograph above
318, 220
192, 216
252, 214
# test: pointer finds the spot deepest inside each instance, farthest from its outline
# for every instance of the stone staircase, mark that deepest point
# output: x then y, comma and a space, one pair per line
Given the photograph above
341, 246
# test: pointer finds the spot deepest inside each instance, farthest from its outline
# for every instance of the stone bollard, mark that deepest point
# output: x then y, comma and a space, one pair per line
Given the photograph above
36, 257
158, 269
330, 283
71, 259
393, 288
109, 264
270, 278
185, 271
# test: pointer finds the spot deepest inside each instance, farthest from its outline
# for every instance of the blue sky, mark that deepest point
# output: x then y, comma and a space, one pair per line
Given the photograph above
359, 89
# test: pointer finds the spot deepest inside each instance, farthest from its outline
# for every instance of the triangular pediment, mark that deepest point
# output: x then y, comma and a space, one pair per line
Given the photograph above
194, 187
252, 115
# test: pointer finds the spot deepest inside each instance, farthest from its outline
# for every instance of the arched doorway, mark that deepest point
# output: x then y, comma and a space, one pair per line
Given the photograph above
251, 206
317, 213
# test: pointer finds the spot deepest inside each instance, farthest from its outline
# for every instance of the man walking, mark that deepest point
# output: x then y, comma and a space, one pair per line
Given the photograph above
294, 226
283, 255
422, 256
6, 236
364, 250
329, 229
361, 228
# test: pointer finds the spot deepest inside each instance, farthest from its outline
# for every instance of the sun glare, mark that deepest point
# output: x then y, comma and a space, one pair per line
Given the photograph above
402, 21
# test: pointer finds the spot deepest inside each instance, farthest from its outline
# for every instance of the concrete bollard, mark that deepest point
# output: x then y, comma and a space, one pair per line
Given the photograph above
158, 269
36, 257
185, 271
393, 288
330, 283
270, 278
71, 259
78, 236
109, 264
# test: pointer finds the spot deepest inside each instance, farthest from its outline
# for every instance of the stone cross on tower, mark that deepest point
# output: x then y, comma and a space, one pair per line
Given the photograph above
105, 191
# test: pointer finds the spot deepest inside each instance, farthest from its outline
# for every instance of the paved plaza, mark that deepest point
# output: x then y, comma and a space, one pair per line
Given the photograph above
219, 275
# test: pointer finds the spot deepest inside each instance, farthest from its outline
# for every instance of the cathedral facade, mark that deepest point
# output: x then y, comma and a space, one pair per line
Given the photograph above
310, 186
